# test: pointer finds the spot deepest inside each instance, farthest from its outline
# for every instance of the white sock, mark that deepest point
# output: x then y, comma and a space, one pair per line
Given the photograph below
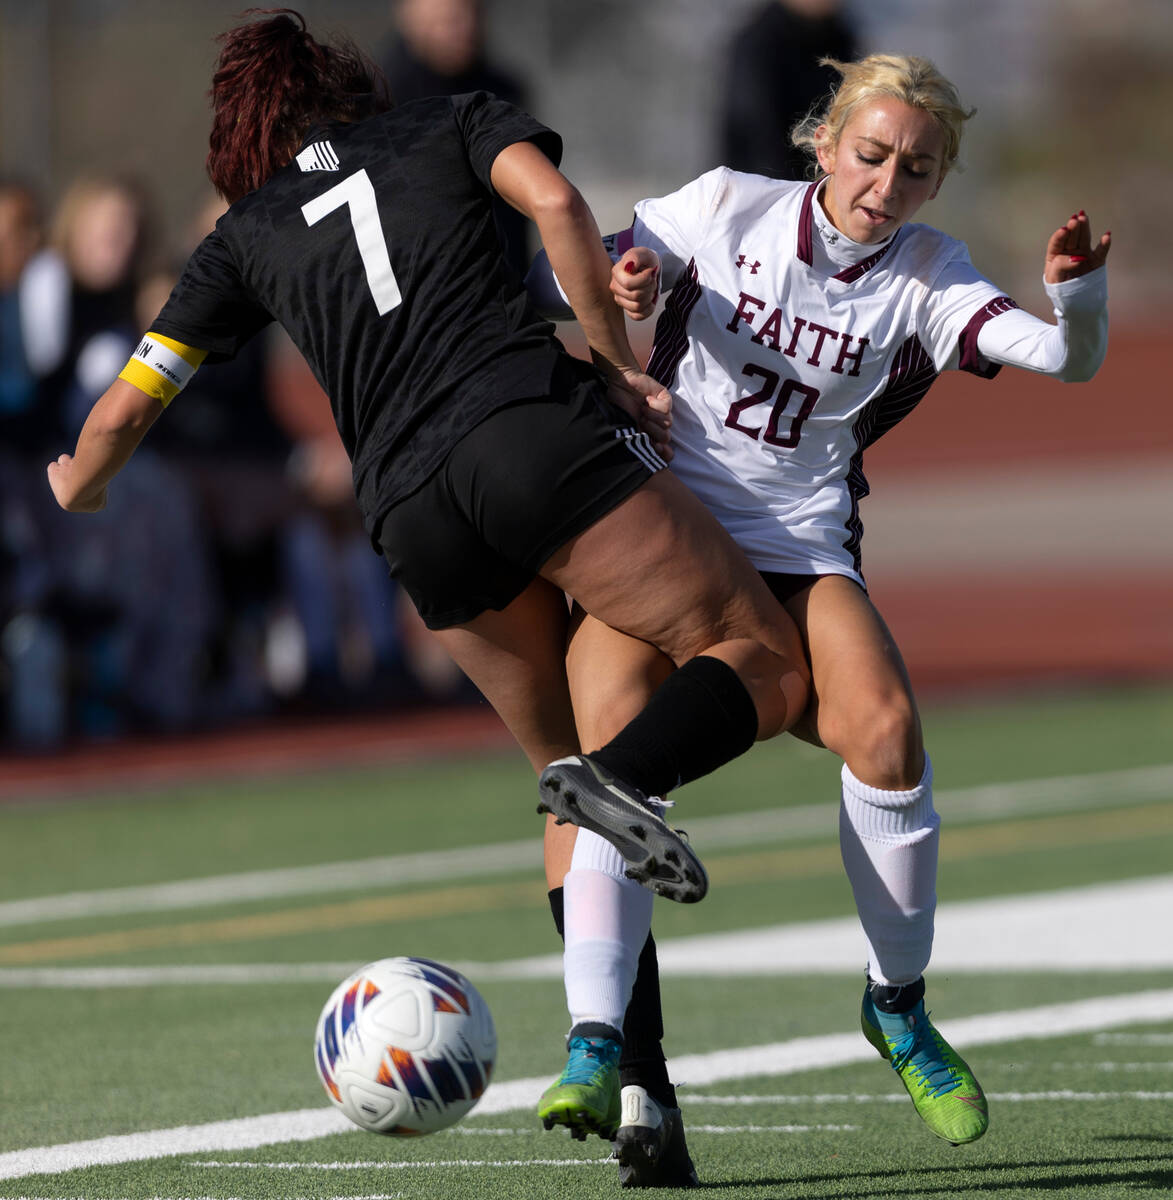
888, 840
606, 923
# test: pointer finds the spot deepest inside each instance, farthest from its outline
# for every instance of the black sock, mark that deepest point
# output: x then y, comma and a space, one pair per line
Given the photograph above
897, 998
558, 910
642, 1061
699, 718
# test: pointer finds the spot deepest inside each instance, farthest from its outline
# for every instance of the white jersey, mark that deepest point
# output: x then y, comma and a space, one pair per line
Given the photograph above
785, 367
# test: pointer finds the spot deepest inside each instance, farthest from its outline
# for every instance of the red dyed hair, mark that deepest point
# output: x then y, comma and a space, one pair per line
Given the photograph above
272, 82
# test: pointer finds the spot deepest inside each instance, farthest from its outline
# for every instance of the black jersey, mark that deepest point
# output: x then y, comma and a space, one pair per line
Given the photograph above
376, 250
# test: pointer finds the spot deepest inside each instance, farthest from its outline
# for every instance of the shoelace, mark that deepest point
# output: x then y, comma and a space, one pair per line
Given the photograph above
587, 1057
937, 1073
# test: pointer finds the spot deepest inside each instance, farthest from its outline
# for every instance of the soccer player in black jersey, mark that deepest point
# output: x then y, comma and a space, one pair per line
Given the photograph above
493, 471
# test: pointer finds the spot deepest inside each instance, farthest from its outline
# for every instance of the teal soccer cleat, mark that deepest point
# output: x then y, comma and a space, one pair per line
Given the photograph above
585, 1097
944, 1092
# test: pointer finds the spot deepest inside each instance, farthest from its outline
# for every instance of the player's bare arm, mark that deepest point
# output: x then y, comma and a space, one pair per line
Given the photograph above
526, 178
157, 372
111, 434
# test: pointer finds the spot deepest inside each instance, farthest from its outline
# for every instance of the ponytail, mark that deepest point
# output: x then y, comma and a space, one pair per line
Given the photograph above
272, 82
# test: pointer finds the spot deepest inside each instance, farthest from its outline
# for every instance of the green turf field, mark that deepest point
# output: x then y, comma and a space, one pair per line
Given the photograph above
164, 957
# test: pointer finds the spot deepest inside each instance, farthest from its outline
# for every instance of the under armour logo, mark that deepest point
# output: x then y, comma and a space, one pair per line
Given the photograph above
753, 266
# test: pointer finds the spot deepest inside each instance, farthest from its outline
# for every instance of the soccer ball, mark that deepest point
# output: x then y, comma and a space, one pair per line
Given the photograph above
405, 1046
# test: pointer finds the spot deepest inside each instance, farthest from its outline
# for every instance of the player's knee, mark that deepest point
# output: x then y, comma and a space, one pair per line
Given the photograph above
880, 741
786, 700
778, 685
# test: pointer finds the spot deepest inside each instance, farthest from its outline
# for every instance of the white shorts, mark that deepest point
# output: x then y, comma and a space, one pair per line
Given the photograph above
814, 532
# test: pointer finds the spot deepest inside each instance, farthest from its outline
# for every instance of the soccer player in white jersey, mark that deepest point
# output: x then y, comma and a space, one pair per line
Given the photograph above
804, 320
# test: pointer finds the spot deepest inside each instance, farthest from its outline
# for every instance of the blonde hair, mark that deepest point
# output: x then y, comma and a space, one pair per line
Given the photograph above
911, 80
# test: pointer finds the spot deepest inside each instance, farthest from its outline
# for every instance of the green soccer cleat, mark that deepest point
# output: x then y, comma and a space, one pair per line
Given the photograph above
585, 1097
944, 1092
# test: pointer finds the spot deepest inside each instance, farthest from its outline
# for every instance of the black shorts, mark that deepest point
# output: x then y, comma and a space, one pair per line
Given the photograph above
786, 587
521, 484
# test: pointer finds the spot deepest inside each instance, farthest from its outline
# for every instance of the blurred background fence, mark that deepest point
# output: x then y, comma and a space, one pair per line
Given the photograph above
1018, 530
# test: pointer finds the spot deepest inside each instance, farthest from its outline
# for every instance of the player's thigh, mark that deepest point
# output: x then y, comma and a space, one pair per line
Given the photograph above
660, 568
863, 707
516, 657
611, 677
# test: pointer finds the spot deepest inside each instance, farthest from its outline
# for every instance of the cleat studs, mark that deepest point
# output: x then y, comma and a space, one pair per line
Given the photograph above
542, 808
639, 832
554, 785
559, 820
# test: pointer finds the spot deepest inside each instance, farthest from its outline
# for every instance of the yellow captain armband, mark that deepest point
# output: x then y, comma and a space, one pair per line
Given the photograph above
161, 367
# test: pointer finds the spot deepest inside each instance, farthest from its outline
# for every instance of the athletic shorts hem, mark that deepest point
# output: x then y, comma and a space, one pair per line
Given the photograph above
582, 520
586, 516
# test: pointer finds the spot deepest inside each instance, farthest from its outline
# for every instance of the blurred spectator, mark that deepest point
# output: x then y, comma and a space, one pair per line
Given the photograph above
222, 435
437, 48
32, 646
773, 78
128, 587
20, 238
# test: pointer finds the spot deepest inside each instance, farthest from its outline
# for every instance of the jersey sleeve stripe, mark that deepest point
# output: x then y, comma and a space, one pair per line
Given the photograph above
671, 340
971, 358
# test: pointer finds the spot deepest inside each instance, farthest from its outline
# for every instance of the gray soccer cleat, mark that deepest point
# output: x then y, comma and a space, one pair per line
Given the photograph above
577, 790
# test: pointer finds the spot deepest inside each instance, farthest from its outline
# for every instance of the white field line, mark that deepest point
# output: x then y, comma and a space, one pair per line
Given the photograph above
407, 1166
1114, 926
778, 1058
1133, 1039
1104, 927
1106, 789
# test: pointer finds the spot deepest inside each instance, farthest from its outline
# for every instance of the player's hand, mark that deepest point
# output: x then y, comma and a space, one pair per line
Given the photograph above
1070, 253
635, 282
65, 490
649, 403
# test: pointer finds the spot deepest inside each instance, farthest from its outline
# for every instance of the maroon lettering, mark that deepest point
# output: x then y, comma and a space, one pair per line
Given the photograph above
772, 329
792, 349
823, 333
760, 396
743, 313
790, 388
845, 353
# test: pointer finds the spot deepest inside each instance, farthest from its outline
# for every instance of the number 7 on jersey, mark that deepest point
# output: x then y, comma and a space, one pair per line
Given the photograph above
358, 194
